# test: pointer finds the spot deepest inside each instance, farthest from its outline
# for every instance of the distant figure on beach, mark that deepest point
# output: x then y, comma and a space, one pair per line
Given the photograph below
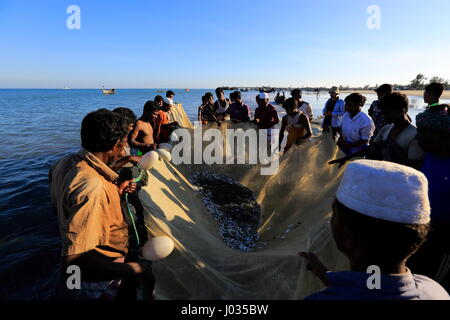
206, 112
221, 105
238, 111
378, 229
431, 96
142, 136
333, 111
357, 127
87, 200
433, 259
375, 112
396, 141
169, 97
296, 123
164, 121
303, 106
317, 93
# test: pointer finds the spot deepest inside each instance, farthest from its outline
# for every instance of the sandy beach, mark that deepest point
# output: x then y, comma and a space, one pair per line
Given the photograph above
417, 93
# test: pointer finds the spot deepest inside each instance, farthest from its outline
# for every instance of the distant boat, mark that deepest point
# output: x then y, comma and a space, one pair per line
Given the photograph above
266, 89
188, 90
108, 91
66, 88
160, 91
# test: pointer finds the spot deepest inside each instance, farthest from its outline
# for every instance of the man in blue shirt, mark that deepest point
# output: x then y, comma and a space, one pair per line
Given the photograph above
378, 229
333, 111
433, 259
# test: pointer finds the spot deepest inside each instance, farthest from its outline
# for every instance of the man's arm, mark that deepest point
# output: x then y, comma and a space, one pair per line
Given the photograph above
275, 118
304, 121
283, 128
97, 267
310, 113
370, 153
199, 114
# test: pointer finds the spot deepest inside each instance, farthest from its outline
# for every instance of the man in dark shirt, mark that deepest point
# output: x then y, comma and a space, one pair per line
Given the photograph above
238, 111
266, 115
375, 112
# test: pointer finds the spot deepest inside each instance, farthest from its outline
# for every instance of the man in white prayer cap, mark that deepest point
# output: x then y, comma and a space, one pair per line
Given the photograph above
378, 229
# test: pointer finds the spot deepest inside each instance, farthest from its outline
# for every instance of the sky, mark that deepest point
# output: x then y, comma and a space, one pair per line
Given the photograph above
210, 43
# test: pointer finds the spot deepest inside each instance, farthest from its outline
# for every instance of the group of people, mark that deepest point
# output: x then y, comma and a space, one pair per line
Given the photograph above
154, 126
392, 214
90, 193
296, 122
388, 140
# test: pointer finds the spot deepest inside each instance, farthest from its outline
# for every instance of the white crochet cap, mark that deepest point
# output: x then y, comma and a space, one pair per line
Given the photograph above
264, 95
387, 191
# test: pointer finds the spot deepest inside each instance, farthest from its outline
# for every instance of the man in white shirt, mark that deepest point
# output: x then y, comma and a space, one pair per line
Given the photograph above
357, 127
303, 106
169, 97
396, 141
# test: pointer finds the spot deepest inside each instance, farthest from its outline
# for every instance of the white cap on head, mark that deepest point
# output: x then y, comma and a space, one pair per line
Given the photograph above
263, 95
168, 101
386, 191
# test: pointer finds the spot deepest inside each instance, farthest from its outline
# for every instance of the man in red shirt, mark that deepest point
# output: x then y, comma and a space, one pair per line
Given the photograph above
266, 115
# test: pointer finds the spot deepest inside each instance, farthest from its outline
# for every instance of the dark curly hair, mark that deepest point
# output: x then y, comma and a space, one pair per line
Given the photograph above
289, 104
394, 101
435, 88
219, 90
127, 114
356, 98
159, 99
385, 241
101, 130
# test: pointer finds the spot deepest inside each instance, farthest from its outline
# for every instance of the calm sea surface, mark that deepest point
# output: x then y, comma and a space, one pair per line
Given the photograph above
37, 127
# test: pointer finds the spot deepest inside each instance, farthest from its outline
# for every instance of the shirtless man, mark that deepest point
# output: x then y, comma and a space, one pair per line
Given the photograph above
296, 123
142, 135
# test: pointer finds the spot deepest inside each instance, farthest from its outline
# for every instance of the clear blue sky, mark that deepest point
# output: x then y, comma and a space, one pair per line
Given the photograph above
206, 43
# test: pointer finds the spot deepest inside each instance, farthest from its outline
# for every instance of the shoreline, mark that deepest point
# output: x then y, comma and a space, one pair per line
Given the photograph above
415, 93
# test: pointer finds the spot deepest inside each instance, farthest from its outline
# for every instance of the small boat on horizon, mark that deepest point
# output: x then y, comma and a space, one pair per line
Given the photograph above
108, 91
188, 90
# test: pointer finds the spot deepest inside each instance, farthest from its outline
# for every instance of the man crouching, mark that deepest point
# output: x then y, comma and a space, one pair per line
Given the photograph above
87, 200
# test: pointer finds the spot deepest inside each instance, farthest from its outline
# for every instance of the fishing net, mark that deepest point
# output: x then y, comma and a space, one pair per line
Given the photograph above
295, 208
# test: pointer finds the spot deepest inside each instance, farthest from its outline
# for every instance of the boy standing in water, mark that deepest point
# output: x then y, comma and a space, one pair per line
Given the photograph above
142, 136
238, 111
296, 123
221, 105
